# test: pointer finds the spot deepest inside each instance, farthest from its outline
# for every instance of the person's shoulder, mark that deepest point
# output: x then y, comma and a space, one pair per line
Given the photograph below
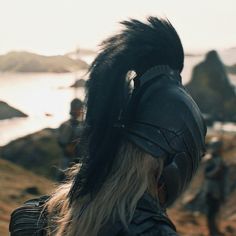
148, 225
150, 219
65, 126
65, 123
149, 229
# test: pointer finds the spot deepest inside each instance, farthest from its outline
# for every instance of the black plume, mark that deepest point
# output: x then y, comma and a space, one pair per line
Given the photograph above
138, 47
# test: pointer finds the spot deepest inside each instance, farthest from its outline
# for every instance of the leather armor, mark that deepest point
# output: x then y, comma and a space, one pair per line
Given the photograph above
149, 220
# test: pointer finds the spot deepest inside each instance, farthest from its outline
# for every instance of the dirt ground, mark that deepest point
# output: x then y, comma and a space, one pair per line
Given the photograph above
18, 185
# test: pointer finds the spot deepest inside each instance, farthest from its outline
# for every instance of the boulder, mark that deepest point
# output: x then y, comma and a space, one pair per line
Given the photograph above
7, 112
38, 152
31, 62
78, 83
210, 87
231, 69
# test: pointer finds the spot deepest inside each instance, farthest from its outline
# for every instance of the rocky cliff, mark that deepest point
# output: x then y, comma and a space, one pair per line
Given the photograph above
38, 152
212, 90
31, 62
7, 112
231, 69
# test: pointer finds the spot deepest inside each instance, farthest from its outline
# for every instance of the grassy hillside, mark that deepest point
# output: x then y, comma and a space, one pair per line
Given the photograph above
18, 185
38, 152
30, 62
15, 183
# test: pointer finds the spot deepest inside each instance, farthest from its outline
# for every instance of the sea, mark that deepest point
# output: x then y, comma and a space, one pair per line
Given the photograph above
46, 97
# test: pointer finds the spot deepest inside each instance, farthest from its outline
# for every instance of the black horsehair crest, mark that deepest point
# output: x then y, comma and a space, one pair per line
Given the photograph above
137, 48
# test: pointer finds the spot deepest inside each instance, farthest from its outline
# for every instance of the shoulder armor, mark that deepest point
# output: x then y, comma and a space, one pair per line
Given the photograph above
29, 220
149, 220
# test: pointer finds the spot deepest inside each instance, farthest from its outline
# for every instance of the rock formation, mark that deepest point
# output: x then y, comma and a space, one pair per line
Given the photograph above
231, 69
31, 62
212, 90
78, 83
7, 112
38, 152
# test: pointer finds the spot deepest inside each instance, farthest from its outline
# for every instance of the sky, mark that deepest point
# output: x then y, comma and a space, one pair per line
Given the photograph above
58, 26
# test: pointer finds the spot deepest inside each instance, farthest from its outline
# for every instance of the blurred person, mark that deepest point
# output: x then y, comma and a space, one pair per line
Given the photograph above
69, 134
144, 137
215, 184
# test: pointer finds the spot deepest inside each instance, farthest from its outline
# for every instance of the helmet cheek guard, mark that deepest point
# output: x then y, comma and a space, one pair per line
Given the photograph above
163, 120
175, 176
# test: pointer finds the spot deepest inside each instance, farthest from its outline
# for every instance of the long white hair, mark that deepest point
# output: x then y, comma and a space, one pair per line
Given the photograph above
133, 172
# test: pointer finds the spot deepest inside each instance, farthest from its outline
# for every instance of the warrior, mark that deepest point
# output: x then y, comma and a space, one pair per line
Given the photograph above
69, 134
215, 185
143, 137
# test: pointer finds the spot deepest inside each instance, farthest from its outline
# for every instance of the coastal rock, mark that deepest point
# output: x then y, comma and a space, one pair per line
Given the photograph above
31, 62
78, 83
7, 112
211, 89
231, 69
20, 185
38, 152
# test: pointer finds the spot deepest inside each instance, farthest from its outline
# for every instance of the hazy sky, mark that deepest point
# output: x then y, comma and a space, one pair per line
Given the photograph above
58, 26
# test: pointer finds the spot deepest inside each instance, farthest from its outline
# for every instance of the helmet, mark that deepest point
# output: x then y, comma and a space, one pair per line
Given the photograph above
162, 119
158, 115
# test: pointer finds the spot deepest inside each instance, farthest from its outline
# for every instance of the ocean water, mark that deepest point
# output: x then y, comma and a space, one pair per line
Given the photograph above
45, 98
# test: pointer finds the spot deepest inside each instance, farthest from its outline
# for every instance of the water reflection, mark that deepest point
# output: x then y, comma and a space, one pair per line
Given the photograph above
44, 97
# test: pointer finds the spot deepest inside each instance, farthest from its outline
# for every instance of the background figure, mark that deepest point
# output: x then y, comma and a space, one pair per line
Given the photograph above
215, 185
69, 134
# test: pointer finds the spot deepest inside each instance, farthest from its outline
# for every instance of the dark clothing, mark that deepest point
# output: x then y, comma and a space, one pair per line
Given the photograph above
213, 205
215, 191
149, 220
29, 219
215, 174
69, 134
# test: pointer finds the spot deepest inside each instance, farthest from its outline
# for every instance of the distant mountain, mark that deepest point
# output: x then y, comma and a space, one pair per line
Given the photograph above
210, 87
7, 112
30, 62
